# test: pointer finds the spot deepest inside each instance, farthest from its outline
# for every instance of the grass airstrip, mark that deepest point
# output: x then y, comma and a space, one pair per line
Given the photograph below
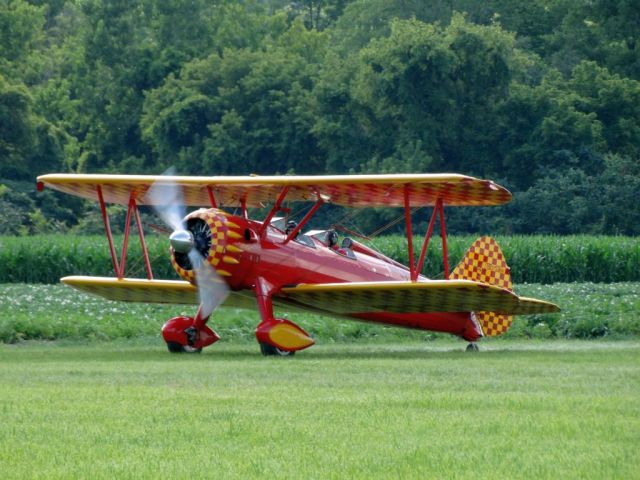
128, 409
98, 396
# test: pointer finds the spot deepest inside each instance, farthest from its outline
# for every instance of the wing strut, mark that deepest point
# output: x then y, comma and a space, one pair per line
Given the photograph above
243, 206
132, 207
276, 207
407, 219
212, 199
443, 234
107, 229
438, 211
304, 221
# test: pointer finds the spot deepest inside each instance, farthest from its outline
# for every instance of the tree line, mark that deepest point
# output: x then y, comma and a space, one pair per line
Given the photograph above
542, 96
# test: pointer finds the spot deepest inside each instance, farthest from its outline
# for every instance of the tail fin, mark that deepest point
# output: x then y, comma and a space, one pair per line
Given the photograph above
484, 262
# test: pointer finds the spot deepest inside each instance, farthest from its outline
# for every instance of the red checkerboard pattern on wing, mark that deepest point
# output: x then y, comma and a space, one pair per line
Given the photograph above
484, 262
348, 190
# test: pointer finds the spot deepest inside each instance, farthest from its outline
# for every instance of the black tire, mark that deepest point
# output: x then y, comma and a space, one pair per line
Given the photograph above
175, 347
472, 347
269, 350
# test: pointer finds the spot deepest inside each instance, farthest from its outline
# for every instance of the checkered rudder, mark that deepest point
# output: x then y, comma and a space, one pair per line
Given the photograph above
484, 262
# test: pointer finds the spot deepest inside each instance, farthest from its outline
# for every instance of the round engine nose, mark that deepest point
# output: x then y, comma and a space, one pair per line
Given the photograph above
206, 231
182, 241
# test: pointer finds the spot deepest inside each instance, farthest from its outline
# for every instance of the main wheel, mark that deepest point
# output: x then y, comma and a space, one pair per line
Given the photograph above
472, 347
175, 347
269, 350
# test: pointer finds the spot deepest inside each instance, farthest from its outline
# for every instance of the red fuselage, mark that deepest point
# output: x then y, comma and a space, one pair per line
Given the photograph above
265, 255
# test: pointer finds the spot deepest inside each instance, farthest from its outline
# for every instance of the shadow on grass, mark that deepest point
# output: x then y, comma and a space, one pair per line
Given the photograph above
105, 352
156, 352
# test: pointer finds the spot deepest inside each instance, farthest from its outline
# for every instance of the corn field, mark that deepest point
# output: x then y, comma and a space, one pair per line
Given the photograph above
537, 258
533, 259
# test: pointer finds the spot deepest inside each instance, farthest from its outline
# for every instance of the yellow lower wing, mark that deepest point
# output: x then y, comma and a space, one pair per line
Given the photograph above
338, 298
149, 291
410, 297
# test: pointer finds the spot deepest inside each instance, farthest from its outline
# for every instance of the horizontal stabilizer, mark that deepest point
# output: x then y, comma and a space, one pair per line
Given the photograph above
414, 297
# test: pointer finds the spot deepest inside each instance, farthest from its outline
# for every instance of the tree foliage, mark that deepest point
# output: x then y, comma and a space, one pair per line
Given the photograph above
419, 99
240, 111
540, 95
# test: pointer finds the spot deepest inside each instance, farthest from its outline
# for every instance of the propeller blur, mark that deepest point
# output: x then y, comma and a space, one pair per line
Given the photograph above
167, 200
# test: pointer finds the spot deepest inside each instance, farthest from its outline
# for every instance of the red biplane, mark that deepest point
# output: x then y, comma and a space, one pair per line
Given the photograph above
232, 259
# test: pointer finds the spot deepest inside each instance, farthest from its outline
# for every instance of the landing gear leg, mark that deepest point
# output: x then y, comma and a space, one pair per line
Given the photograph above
277, 336
473, 347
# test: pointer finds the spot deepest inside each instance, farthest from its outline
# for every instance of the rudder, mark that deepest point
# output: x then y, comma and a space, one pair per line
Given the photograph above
484, 262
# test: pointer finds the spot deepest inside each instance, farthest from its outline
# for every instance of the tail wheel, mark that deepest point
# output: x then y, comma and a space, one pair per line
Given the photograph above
269, 350
175, 347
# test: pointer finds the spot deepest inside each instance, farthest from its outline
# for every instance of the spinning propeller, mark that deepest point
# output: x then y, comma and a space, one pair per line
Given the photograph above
192, 239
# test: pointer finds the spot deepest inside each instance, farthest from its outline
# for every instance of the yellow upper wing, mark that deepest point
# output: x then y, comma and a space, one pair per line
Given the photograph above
348, 190
414, 297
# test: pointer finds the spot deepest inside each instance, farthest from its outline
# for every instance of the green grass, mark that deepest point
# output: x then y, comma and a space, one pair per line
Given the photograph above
52, 312
553, 409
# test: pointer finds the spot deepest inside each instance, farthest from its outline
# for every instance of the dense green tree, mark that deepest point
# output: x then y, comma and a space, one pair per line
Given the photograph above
127, 48
604, 31
541, 128
618, 187
570, 201
540, 95
364, 20
28, 143
568, 124
532, 21
316, 14
20, 32
17, 128
239, 112
616, 103
420, 99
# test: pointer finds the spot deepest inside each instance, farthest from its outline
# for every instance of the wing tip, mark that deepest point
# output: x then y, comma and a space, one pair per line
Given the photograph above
539, 306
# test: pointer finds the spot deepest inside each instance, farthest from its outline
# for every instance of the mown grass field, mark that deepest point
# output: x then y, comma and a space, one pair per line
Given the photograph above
537, 409
87, 390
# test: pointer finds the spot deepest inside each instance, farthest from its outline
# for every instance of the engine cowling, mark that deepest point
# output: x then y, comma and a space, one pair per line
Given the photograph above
219, 239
